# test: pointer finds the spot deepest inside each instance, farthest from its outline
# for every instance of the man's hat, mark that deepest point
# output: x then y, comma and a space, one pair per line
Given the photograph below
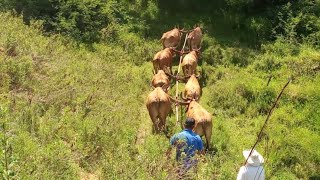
255, 159
189, 122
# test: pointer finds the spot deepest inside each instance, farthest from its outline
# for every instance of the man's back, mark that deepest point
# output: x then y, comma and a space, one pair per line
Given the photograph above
251, 173
187, 143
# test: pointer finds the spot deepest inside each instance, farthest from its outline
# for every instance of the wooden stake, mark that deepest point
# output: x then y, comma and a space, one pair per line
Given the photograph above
265, 123
177, 82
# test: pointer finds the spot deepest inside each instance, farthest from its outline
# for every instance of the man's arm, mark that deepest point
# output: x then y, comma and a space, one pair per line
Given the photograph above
172, 143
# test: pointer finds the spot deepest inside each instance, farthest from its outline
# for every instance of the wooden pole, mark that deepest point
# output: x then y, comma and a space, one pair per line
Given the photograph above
265, 123
177, 82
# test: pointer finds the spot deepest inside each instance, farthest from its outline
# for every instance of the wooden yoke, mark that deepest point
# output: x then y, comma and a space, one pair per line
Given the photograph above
177, 82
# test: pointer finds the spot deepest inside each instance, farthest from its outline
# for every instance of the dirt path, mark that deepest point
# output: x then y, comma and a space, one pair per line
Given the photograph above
145, 127
88, 176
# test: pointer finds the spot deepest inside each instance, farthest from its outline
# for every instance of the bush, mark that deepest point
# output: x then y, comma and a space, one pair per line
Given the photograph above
229, 98
267, 63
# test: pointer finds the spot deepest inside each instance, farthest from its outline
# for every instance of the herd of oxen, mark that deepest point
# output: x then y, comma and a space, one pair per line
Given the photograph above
159, 101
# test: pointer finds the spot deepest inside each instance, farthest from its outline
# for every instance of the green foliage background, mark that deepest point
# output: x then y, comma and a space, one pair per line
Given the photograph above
74, 76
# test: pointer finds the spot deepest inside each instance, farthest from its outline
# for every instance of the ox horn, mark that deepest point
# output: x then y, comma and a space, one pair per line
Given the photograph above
185, 78
189, 31
183, 31
170, 75
183, 98
165, 88
174, 49
177, 102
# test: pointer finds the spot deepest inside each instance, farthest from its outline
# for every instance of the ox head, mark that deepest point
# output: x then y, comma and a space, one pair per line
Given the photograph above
196, 27
197, 52
163, 87
188, 99
180, 30
183, 31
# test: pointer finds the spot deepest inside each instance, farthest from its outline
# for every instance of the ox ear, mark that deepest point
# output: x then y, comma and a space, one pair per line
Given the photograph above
183, 31
185, 52
182, 97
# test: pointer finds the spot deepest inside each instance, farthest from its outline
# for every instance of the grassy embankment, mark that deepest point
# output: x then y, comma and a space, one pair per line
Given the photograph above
67, 111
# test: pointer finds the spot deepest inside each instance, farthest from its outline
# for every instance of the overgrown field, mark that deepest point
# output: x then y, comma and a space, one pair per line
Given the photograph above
73, 111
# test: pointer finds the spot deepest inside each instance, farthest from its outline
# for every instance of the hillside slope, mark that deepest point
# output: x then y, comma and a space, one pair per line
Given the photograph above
66, 110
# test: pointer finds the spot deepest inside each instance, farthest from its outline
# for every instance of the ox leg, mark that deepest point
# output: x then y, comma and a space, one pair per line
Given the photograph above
155, 65
153, 112
163, 113
208, 133
155, 124
163, 127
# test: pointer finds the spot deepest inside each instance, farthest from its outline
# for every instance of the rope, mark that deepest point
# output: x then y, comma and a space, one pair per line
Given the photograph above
265, 123
177, 82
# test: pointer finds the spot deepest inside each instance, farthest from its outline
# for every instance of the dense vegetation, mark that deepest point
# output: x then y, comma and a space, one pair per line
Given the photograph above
74, 76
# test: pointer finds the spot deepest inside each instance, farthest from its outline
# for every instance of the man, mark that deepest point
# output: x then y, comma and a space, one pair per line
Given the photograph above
253, 170
187, 145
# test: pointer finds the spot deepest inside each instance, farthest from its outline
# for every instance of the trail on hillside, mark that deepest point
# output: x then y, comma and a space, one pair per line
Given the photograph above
88, 176
145, 127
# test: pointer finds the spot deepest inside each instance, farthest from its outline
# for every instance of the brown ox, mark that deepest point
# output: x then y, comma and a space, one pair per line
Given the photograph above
161, 80
202, 118
163, 59
189, 62
171, 38
194, 38
159, 106
192, 89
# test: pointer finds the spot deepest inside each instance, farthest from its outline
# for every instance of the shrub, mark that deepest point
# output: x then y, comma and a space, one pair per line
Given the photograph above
228, 99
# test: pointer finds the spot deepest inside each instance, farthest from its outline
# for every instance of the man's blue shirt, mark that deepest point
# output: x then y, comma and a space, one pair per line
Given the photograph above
186, 142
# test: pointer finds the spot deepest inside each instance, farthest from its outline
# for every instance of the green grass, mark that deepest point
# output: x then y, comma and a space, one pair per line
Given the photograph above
66, 110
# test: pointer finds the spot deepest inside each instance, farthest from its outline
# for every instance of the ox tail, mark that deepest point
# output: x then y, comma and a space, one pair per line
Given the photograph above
195, 96
155, 63
188, 69
157, 118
